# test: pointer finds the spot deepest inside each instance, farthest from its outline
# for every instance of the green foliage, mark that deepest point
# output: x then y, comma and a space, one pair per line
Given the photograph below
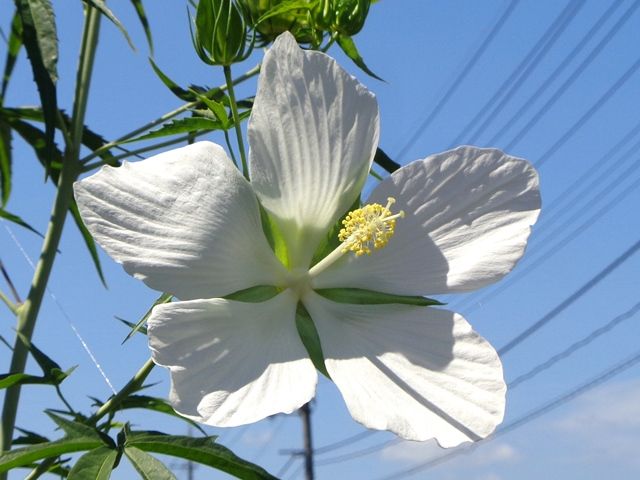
14, 45
345, 17
369, 297
5, 163
164, 298
104, 10
52, 374
199, 450
18, 221
142, 16
310, 339
182, 125
348, 46
259, 293
149, 468
96, 464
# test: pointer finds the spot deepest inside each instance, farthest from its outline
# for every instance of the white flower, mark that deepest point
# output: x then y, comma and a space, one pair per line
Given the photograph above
187, 222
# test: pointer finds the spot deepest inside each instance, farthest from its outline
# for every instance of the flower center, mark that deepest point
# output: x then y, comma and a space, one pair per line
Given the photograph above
368, 227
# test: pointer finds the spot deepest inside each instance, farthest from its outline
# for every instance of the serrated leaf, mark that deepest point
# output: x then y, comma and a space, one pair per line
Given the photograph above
5, 163
14, 45
198, 450
88, 240
18, 221
382, 159
74, 429
96, 464
218, 110
361, 296
40, 40
164, 298
142, 16
348, 46
183, 125
102, 7
149, 468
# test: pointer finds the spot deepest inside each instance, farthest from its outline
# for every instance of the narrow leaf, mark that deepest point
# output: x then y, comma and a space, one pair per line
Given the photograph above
14, 45
27, 455
369, 297
5, 163
10, 379
88, 240
149, 468
74, 429
259, 293
18, 221
96, 464
164, 298
102, 7
41, 42
348, 46
183, 125
310, 339
142, 16
199, 450
178, 91
157, 405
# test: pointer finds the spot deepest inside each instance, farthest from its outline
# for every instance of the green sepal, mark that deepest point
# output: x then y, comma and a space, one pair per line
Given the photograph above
257, 294
274, 237
361, 296
310, 339
348, 46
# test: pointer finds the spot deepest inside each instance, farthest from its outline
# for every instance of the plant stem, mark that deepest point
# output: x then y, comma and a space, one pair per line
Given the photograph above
167, 116
28, 312
12, 306
132, 385
236, 120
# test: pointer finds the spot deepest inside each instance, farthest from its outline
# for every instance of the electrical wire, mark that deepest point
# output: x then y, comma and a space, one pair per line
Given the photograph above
453, 86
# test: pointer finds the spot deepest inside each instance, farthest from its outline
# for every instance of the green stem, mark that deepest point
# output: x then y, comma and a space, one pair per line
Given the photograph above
28, 312
167, 116
134, 384
12, 306
236, 120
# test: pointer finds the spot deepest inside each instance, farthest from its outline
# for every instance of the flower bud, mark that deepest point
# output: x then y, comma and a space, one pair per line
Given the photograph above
297, 21
220, 36
346, 17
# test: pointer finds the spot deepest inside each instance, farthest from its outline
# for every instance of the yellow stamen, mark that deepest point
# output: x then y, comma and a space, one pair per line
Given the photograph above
368, 228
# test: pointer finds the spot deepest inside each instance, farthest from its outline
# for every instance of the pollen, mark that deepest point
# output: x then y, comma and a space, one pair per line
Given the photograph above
369, 227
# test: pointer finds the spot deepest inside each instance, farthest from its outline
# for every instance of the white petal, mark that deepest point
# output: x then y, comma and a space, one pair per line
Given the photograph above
313, 133
185, 222
419, 372
232, 363
469, 213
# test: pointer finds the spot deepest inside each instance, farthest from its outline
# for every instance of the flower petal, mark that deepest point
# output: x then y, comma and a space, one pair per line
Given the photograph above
185, 222
468, 217
232, 363
313, 132
419, 372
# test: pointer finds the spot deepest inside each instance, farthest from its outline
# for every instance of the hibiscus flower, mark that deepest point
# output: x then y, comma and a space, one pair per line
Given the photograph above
188, 223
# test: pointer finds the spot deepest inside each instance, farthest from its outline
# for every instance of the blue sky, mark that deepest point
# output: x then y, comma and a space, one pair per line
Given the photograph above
590, 217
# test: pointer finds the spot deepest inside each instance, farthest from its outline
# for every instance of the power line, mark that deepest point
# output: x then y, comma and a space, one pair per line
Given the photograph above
513, 88
528, 417
559, 24
569, 300
574, 347
344, 442
588, 114
466, 69
560, 68
359, 453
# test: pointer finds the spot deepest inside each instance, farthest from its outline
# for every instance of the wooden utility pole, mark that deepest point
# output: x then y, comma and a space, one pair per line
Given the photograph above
305, 413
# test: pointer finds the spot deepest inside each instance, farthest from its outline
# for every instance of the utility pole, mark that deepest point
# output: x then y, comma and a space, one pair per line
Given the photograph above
305, 413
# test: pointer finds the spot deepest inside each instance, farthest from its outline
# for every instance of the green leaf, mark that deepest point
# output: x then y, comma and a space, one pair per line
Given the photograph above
88, 240
382, 159
348, 46
5, 162
149, 468
142, 16
183, 125
27, 455
369, 297
10, 379
199, 450
157, 405
41, 42
310, 339
102, 7
96, 464
285, 7
257, 294
75, 429
131, 325
14, 45
164, 298
18, 221
178, 91
28, 438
